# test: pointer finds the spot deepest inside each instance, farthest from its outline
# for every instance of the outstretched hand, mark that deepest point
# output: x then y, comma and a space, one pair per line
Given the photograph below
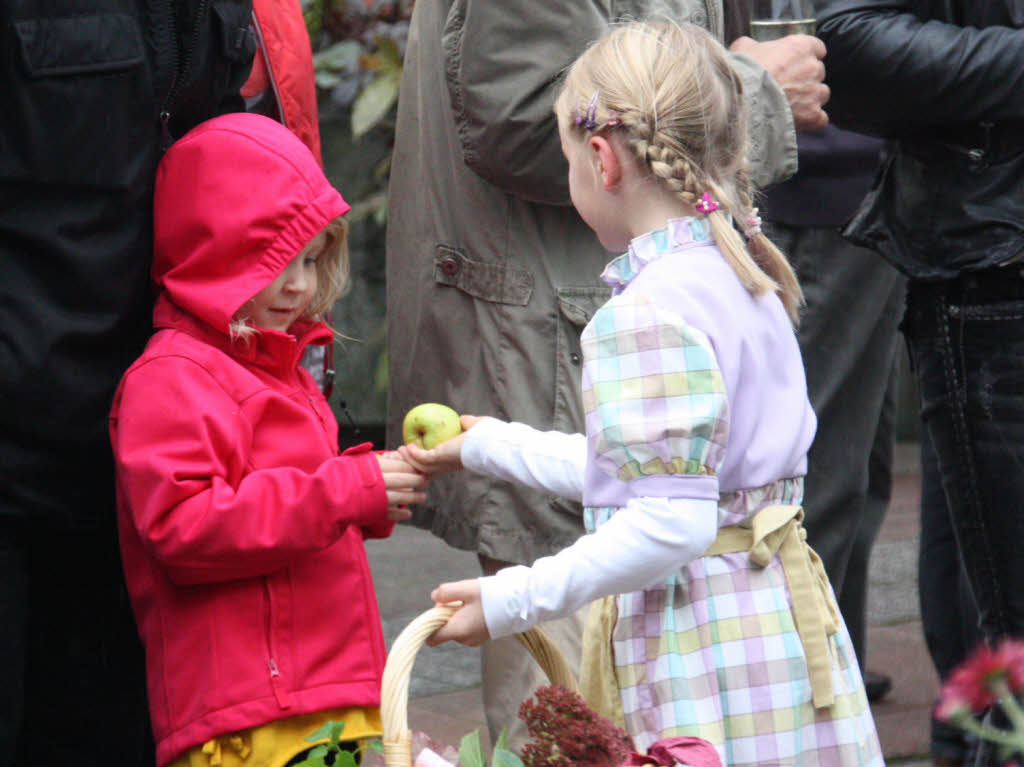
403, 483
443, 458
796, 63
467, 625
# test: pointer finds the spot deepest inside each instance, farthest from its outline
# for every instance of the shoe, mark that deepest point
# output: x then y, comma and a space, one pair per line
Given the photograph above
876, 685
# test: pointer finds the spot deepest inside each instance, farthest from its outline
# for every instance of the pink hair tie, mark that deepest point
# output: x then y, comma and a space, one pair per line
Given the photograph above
706, 205
752, 224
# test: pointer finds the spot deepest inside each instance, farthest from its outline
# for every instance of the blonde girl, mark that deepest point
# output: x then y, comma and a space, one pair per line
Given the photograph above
721, 622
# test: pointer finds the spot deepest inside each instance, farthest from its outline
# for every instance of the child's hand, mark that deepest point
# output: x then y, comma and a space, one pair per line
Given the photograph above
403, 485
442, 459
467, 625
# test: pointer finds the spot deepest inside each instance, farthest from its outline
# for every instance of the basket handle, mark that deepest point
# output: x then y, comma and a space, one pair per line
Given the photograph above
394, 703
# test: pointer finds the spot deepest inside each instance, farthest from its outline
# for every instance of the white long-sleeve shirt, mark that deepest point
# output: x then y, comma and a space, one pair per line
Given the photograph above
642, 544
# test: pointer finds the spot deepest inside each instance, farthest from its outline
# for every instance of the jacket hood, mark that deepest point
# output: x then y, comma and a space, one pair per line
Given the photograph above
236, 199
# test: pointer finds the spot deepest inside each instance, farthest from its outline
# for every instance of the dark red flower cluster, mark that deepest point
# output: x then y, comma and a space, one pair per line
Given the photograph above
566, 732
976, 683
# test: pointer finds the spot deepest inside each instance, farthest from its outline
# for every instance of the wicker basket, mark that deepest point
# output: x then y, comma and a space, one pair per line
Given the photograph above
394, 703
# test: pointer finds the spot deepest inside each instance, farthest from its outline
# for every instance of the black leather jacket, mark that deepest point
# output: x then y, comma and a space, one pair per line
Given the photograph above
944, 80
83, 86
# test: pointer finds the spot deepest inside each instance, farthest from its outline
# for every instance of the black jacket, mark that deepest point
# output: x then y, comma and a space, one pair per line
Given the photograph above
92, 91
944, 79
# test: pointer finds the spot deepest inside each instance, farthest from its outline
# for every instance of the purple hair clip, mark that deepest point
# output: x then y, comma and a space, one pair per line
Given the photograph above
588, 117
706, 205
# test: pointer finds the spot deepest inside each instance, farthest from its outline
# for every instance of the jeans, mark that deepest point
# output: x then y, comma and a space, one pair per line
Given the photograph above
949, 618
966, 341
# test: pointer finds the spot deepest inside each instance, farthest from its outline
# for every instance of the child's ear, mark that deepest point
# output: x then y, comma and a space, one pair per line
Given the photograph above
609, 165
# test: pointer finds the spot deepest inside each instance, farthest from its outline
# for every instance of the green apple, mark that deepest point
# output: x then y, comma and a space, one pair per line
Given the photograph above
430, 424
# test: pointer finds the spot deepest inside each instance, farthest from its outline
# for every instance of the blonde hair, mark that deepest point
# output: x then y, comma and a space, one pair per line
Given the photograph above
332, 279
669, 93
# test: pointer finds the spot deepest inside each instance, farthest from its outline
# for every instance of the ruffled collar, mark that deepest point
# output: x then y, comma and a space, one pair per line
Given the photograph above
677, 233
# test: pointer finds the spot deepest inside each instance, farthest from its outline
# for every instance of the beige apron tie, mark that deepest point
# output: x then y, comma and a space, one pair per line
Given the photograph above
598, 683
779, 529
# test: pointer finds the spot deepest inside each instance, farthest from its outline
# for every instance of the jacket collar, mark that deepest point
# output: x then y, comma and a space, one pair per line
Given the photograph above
677, 233
275, 351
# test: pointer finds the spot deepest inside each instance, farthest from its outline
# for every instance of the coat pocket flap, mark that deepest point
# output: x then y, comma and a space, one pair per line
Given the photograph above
68, 45
491, 282
579, 303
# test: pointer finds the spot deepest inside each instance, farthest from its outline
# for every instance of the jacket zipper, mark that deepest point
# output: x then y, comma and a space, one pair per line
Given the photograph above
271, 76
276, 680
181, 67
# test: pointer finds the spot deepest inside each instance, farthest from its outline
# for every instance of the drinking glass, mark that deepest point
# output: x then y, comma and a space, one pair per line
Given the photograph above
773, 19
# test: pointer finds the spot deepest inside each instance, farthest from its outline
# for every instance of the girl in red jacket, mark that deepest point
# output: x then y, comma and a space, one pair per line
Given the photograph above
241, 526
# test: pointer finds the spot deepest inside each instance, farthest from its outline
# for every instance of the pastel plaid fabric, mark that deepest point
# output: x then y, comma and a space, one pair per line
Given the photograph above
714, 652
653, 395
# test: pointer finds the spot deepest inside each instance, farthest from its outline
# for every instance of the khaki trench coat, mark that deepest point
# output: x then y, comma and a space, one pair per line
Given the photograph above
491, 274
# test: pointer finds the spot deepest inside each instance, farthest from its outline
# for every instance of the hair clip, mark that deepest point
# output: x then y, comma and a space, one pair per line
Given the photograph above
591, 113
613, 118
706, 205
752, 224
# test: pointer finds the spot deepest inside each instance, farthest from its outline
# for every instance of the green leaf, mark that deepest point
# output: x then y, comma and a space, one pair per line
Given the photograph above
337, 57
326, 730
336, 729
315, 758
502, 740
375, 101
502, 757
389, 57
471, 753
346, 759
313, 15
327, 81
376, 746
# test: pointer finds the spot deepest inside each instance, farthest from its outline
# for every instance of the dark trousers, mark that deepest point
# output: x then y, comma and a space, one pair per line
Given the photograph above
72, 679
966, 340
848, 338
949, 617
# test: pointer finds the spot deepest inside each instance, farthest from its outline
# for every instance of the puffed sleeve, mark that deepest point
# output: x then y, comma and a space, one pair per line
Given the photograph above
654, 399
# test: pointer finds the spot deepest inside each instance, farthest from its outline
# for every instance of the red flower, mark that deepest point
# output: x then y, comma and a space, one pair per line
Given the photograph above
977, 683
565, 731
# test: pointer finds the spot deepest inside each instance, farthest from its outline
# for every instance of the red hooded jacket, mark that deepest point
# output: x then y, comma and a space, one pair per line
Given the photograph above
241, 526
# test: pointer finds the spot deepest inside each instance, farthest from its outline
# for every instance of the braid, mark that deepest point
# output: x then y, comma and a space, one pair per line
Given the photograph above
767, 255
666, 162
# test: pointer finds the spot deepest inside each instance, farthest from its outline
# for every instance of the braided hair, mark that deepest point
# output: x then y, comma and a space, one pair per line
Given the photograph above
672, 98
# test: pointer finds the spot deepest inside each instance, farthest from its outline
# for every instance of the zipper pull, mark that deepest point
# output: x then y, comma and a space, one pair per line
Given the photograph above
165, 126
274, 670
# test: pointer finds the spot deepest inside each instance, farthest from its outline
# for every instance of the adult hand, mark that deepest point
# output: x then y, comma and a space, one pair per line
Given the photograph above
403, 484
443, 458
467, 625
796, 63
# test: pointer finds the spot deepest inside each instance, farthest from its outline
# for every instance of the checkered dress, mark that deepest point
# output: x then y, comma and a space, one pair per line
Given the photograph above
714, 651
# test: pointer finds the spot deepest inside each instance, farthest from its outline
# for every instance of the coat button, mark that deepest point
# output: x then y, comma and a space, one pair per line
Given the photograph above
450, 266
